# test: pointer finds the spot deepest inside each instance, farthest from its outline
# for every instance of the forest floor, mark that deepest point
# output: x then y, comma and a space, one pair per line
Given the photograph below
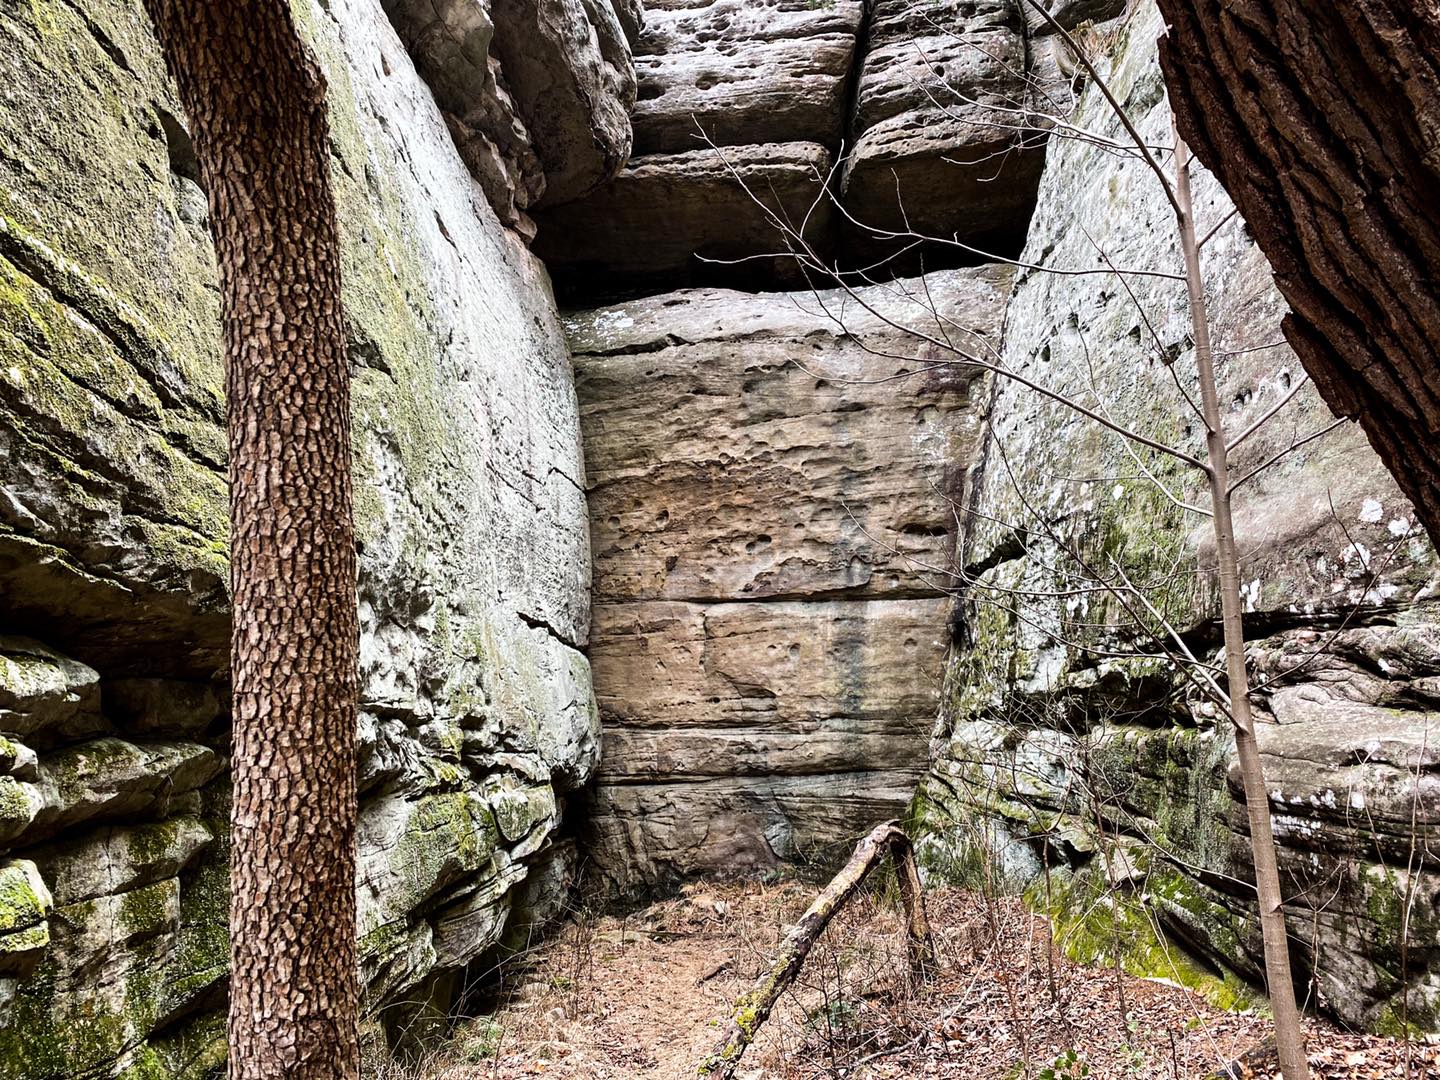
643, 997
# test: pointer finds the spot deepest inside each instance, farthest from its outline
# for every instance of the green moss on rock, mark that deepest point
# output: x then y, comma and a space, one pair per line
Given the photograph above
1105, 926
24, 906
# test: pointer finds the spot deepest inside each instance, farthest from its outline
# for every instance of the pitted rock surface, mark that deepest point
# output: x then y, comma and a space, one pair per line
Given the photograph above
935, 147
772, 494
1044, 720
738, 73
894, 111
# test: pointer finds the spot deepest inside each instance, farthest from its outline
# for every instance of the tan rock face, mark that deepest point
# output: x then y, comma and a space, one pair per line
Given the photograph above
770, 515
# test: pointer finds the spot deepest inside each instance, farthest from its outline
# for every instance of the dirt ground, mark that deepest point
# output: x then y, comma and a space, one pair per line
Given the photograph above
644, 996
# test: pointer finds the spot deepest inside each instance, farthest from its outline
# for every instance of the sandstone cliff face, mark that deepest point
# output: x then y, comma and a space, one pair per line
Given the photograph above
1044, 730
838, 116
776, 482
478, 722
768, 495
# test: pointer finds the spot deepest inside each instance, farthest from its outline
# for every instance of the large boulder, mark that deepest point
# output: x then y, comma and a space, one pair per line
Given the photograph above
772, 483
834, 120
735, 73
568, 65
741, 109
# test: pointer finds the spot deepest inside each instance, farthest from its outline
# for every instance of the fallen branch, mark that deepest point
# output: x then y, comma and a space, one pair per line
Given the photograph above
754, 1007
714, 969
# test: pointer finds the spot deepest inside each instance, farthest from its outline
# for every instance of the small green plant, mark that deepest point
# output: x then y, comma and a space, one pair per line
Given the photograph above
836, 1015
1134, 1060
1067, 1065
481, 1042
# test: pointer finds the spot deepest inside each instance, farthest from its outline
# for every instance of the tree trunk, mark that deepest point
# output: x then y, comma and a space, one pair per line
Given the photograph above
1322, 121
1289, 1037
256, 101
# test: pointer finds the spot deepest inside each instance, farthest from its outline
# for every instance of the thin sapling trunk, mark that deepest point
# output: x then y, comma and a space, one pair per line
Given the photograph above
1289, 1038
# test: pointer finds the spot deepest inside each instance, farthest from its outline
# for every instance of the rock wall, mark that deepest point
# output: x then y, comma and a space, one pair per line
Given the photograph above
537, 93
770, 490
772, 484
783, 492
1100, 781
838, 116
477, 715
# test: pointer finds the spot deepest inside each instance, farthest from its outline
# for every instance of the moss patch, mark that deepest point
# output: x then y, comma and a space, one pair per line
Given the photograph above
1108, 926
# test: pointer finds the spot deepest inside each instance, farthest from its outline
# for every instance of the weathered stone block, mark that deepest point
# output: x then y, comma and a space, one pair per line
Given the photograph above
671, 219
774, 479
45, 696
943, 145
744, 73
537, 94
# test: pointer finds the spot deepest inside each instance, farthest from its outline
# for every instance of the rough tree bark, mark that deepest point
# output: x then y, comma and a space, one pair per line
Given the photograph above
1322, 121
256, 100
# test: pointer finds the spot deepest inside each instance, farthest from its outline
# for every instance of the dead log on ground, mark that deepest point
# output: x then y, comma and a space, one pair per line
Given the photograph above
754, 1007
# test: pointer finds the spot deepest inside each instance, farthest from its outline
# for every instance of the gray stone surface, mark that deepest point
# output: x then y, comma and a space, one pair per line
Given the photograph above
742, 73
770, 485
1073, 14
679, 217
24, 928
451, 45
939, 139
1048, 720
767, 83
568, 65
46, 695
477, 713
537, 93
